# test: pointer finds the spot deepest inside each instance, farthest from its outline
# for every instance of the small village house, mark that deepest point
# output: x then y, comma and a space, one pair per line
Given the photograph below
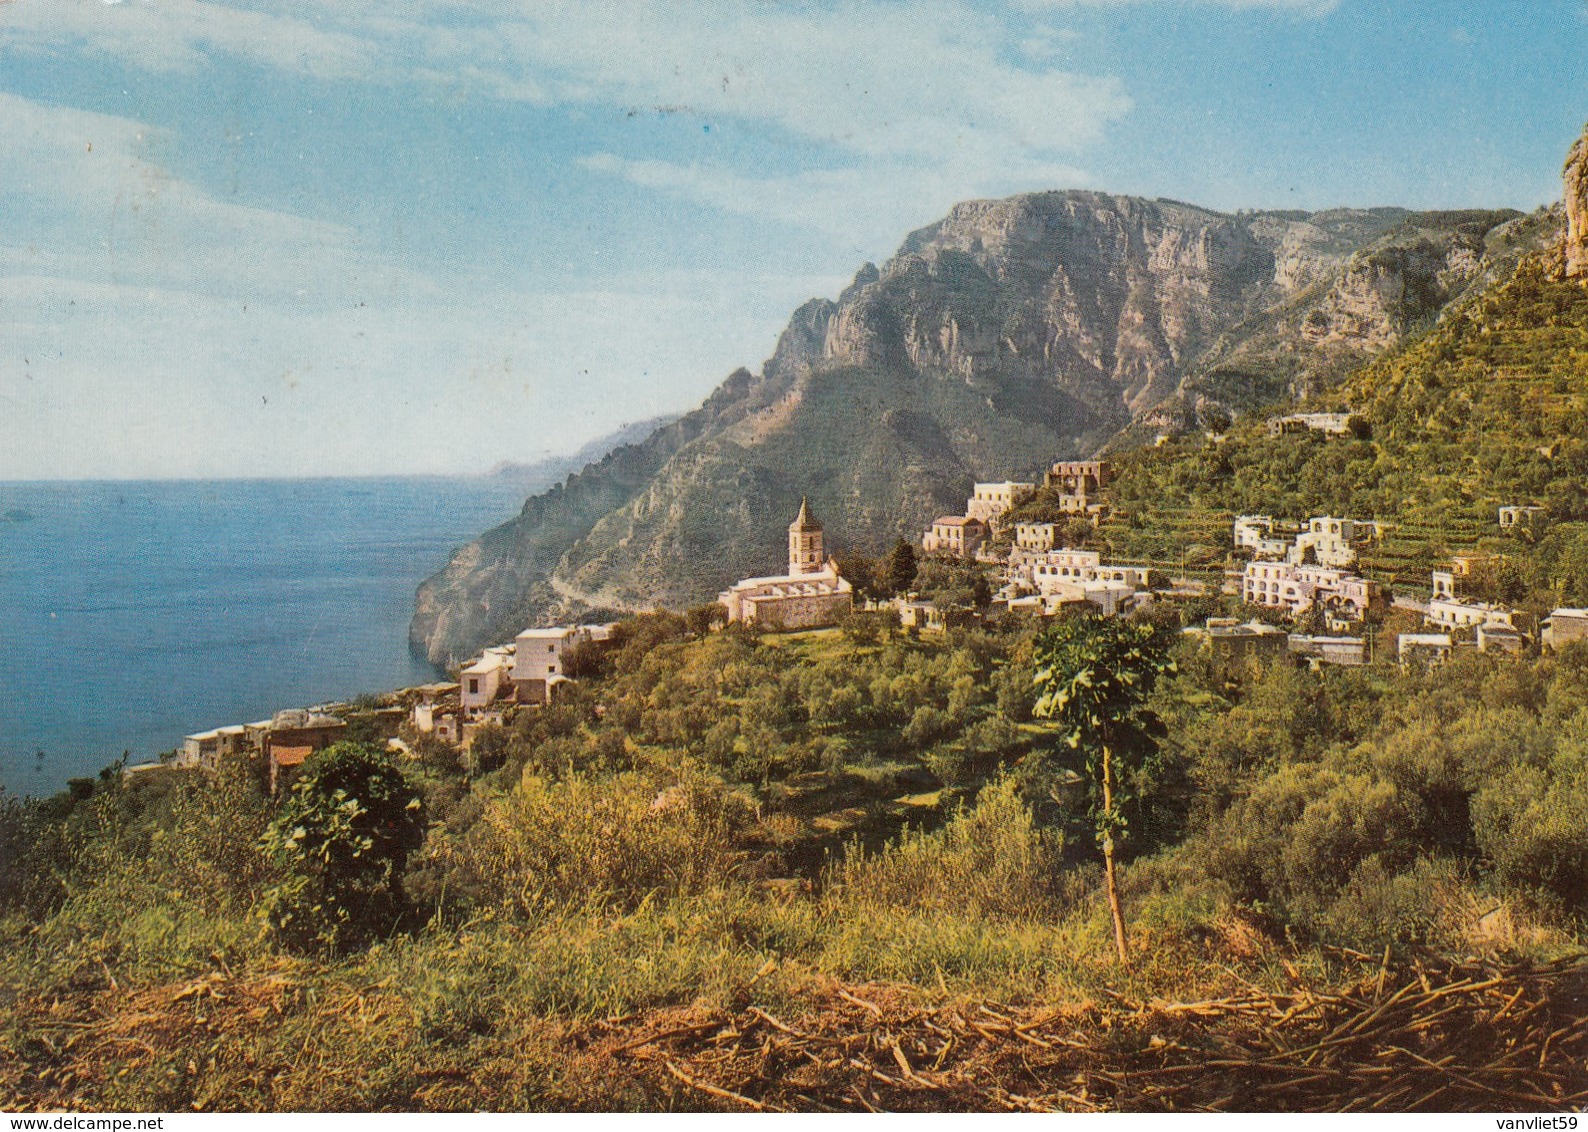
1448, 611
957, 535
1563, 626
1327, 541
540, 658
1349, 652
1476, 569
1500, 638
294, 735
1232, 644
1424, 648
989, 501
1261, 535
208, 748
1523, 520
1079, 477
1036, 538
1330, 424
1077, 483
484, 680
1295, 589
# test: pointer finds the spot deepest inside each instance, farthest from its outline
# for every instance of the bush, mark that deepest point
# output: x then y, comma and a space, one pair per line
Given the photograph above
582, 840
343, 838
988, 860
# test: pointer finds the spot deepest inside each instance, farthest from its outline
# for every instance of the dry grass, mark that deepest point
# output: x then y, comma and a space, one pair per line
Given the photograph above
1421, 1036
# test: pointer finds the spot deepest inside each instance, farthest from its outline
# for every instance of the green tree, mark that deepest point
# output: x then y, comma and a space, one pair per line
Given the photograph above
343, 838
900, 566
1093, 675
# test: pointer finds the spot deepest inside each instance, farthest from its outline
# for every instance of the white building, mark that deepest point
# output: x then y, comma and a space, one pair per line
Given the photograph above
1529, 520
539, 658
1342, 595
989, 501
482, 681
1258, 533
1058, 566
1332, 542
810, 595
208, 748
1500, 638
1348, 651
1330, 424
1458, 613
959, 535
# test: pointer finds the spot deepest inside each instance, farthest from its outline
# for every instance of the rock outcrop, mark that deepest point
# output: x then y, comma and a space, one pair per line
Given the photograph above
1575, 176
1008, 334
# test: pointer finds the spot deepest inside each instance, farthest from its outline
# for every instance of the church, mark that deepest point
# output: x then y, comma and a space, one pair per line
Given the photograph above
809, 596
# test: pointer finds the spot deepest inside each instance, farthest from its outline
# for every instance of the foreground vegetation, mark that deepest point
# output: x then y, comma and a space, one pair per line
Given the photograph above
720, 819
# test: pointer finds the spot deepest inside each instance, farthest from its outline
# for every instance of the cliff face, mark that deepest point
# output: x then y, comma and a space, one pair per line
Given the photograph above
1010, 333
1575, 176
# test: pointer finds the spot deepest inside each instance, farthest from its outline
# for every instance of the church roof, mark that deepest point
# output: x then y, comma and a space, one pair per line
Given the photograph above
803, 521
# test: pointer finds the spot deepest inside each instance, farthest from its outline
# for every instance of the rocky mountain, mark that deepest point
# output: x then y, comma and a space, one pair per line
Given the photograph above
1011, 333
1575, 176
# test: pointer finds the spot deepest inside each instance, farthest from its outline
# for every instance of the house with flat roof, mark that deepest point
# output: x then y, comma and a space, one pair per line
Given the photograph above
1523, 519
1231, 644
484, 680
989, 501
294, 735
540, 658
1500, 638
1340, 594
1563, 626
1330, 424
208, 748
959, 535
1425, 648
1350, 652
1036, 537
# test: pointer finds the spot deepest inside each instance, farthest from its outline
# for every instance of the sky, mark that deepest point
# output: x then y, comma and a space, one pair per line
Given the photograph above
349, 237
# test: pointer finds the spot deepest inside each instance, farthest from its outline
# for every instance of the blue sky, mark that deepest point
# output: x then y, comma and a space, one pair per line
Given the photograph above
345, 237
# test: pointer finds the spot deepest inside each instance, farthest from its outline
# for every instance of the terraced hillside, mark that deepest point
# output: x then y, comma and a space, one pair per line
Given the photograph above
1486, 410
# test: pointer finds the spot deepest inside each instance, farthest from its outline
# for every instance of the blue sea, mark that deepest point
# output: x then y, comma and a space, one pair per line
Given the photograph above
134, 613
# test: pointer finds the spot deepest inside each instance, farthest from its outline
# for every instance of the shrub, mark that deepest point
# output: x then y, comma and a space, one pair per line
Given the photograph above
988, 860
583, 840
343, 838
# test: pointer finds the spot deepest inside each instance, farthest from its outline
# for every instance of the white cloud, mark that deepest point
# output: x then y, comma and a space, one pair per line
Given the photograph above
864, 208
874, 77
89, 197
882, 107
148, 329
179, 35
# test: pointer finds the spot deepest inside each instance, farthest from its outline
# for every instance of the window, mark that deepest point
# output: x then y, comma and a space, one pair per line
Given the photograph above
551, 669
474, 686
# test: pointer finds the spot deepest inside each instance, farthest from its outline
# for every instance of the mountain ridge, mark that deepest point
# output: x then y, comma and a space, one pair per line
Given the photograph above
1009, 333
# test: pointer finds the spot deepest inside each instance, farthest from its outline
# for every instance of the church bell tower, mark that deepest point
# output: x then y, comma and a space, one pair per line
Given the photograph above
805, 552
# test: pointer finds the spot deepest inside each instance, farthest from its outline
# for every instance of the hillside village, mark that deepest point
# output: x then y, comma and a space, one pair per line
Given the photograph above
1291, 588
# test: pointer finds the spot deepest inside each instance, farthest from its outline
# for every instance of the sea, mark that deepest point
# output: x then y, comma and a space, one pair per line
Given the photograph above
134, 613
